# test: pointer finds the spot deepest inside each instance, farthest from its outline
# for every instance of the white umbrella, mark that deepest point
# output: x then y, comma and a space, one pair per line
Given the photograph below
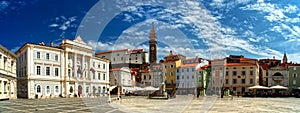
151, 88
278, 87
258, 87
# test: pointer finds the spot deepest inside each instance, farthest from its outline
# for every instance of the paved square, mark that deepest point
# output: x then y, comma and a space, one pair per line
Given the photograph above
58, 105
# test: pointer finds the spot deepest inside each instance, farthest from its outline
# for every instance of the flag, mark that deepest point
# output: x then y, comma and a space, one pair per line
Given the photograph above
93, 70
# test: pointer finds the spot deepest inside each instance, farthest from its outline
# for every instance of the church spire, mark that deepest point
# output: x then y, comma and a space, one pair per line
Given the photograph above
152, 32
284, 60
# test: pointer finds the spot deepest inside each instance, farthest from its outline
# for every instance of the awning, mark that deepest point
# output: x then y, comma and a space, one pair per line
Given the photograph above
150, 88
112, 87
258, 87
278, 87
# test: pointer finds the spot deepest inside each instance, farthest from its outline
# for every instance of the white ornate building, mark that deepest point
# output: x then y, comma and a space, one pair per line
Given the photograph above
8, 87
67, 70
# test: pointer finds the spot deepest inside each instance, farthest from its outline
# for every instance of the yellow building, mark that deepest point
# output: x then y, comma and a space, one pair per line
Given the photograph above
170, 65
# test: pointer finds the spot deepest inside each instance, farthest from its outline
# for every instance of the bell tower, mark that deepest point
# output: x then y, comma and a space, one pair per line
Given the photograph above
284, 60
152, 45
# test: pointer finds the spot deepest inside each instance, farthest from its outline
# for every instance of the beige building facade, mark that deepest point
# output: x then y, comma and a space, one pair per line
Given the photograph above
8, 83
67, 70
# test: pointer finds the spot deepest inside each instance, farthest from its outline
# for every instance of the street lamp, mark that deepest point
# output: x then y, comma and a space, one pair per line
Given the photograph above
108, 92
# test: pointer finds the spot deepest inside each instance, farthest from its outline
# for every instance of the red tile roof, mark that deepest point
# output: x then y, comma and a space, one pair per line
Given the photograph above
240, 64
114, 69
136, 51
188, 65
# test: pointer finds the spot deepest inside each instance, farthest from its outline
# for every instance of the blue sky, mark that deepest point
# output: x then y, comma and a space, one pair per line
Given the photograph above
204, 28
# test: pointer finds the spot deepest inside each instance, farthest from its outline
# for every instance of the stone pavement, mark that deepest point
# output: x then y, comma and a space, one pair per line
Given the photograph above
58, 105
140, 104
210, 104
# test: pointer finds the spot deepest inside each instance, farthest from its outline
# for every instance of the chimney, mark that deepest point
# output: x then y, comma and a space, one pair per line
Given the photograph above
51, 44
273, 57
171, 52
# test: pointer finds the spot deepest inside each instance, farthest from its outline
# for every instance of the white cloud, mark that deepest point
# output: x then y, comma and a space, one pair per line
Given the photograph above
63, 23
4, 5
53, 25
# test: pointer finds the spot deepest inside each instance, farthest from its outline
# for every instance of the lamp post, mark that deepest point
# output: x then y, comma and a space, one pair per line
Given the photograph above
108, 92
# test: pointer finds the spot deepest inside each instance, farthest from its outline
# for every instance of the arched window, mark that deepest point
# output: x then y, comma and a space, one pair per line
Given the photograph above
56, 89
38, 89
71, 89
99, 89
103, 89
47, 90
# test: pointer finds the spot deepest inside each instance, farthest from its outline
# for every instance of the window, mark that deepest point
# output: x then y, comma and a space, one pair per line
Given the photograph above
38, 89
99, 89
71, 89
38, 70
56, 57
234, 81
234, 88
93, 64
177, 77
187, 77
47, 70
182, 77
177, 70
251, 81
56, 71
192, 76
193, 69
47, 56
149, 77
294, 82
98, 65
47, 90
243, 81
294, 68
104, 89
144, 77
234, 72
171, 73
171, 66
103, 76
234, 67
94, 76
251, 67
227, 81
243, 73
182, 70
98, 76
38, 55
69, 72
56, 89
187, 70
87, 89
251, 72
121, 58
226, 73
243, 67
103, 66
295, 75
